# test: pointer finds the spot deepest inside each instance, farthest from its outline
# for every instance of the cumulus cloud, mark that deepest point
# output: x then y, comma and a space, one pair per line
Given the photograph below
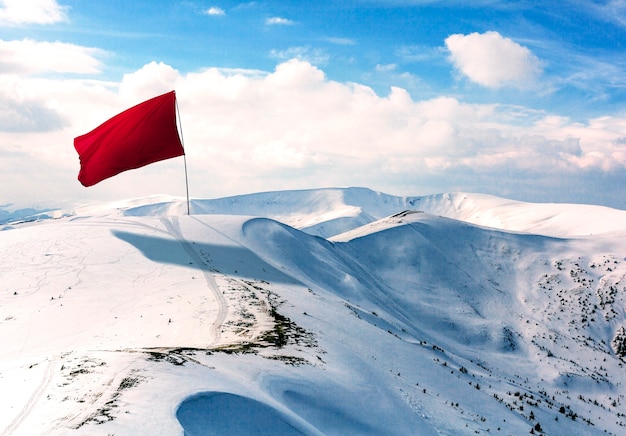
292, 128
32, 57
279, 21
152, 79
16, 12
215, 11
315, 123
493, 61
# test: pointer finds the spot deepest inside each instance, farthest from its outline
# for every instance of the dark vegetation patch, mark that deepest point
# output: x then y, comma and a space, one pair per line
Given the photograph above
105, 413
284, 332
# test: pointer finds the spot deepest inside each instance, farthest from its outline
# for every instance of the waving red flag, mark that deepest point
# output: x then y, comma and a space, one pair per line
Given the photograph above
139, 136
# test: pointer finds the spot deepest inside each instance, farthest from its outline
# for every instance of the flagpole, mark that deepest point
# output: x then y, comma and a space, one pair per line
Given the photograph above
184, 156
186, 182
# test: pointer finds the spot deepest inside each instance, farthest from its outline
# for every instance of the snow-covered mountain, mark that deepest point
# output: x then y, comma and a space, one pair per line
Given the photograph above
328, 212
330, 311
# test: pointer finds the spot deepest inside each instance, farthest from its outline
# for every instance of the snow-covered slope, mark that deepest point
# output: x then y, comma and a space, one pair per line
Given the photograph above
473, 315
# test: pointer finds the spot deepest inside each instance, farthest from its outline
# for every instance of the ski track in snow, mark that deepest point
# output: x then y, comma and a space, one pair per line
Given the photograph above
34, 398
173, 226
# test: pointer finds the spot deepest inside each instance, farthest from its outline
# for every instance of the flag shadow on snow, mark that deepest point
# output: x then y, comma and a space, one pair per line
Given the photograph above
235, 261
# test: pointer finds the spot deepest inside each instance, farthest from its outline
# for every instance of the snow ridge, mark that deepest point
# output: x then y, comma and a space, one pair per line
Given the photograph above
331, 311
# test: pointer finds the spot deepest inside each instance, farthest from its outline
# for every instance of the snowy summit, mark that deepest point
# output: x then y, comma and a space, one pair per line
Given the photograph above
318, 312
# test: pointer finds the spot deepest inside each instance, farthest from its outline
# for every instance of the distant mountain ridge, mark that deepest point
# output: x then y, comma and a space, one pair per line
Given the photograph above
327, 212
7, 215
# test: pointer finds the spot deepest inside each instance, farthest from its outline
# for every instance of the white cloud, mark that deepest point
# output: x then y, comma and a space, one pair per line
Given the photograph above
611, 11
277, 155
250, 131
279, 21
313, 122
341, 41
32, 57
215, 11
150, 80
492, 60
316, 56
15, 12
27, 116
385, 68
418, 53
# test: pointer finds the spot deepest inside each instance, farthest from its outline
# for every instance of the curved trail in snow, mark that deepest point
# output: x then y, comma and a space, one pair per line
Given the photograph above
33, 400
173, 227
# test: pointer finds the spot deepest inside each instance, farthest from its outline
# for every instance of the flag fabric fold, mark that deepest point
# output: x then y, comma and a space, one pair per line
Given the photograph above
144, 134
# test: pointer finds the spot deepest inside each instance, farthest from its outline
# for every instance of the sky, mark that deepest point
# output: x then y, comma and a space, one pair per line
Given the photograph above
519, 99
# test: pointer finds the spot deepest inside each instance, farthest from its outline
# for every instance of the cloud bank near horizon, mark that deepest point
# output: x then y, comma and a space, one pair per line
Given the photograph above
293, 128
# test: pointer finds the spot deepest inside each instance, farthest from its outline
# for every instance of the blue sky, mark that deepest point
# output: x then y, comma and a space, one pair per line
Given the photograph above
525, 100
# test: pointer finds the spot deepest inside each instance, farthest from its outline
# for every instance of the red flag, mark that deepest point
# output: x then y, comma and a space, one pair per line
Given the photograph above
139, 136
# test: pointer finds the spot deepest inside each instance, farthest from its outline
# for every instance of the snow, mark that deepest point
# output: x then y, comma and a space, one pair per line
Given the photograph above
330, 311
331, 211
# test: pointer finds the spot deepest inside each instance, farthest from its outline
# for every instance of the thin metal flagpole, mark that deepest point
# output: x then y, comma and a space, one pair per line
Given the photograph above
184, 155
186, 183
